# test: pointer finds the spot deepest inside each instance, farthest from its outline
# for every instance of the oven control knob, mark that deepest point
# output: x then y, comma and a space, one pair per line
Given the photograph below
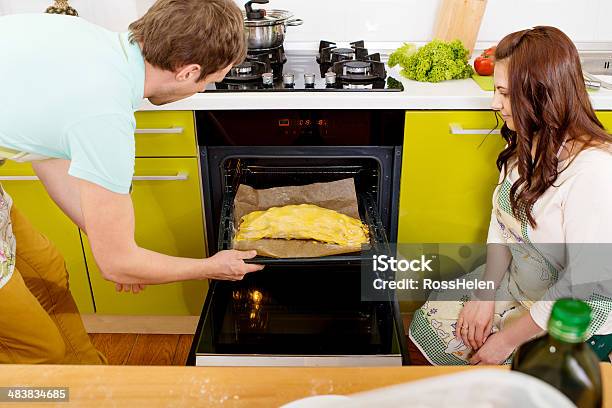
330, 79
288, 80
268, 79
309, 80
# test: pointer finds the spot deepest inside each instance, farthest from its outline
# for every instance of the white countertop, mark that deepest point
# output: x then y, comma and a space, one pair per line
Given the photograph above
457, 94
451, 95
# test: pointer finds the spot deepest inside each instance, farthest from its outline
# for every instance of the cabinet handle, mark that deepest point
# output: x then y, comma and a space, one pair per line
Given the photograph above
177, 177
457, 129
172, 130
18, 178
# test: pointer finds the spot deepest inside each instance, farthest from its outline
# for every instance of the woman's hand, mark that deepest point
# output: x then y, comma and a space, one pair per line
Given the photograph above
495, 350
230, 265
499, 346
475, 322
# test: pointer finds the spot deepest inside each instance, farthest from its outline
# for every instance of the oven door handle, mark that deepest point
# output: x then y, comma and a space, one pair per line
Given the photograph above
457, 129
159, 131
177, 177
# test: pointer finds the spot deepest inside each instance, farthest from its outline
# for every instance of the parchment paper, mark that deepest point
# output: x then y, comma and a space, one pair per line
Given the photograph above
336, 195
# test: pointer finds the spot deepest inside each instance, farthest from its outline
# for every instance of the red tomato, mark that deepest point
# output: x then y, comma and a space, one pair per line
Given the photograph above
490, 52
484, 65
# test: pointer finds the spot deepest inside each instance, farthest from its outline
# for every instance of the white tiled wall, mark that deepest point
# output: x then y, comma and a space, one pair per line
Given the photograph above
384, 21
113, 14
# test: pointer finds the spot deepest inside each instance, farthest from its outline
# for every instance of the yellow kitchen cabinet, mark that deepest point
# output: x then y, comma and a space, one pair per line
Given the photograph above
447, 180
448, 176
30, 196
165, 134
169, 219
606, 119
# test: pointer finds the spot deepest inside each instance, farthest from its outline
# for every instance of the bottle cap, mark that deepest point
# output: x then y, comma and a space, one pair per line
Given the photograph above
569, 320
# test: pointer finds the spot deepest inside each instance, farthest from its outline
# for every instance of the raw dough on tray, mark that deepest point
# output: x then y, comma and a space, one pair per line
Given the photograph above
304, 221
338, 195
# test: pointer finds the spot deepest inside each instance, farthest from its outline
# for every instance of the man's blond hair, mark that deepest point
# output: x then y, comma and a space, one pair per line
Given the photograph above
175, 33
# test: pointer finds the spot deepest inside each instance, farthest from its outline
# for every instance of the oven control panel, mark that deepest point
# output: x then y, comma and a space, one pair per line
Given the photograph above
300, 128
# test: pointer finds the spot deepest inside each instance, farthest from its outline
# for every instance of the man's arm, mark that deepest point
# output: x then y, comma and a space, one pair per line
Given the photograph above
63, 188
108, 218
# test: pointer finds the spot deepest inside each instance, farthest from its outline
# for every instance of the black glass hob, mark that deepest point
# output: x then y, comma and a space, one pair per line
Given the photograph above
332, 69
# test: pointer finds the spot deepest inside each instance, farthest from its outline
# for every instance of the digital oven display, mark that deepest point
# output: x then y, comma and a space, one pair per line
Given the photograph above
301, 123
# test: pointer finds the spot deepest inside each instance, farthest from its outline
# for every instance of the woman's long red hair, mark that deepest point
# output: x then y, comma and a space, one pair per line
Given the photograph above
549, 104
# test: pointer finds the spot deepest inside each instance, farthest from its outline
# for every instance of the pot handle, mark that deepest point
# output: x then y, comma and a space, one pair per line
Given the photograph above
295, 22
255, 14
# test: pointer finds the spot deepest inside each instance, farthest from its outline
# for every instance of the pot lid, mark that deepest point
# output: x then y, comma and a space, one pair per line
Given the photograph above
271, 17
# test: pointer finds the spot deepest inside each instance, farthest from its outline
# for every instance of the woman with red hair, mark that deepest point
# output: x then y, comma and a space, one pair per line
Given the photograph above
551, 212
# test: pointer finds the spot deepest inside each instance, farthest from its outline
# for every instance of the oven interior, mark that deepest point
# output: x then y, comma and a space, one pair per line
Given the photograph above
261, 174
375, 170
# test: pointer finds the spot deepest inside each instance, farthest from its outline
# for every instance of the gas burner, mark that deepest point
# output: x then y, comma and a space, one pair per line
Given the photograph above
243, 69
354, 68
342, 54
329, 54
254, 72
274, 56
246, 71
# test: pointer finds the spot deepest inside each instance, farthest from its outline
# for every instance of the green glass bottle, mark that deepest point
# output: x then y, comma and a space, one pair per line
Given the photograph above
562, 358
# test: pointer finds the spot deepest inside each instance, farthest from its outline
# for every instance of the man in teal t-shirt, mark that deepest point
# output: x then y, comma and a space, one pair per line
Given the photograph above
69, 92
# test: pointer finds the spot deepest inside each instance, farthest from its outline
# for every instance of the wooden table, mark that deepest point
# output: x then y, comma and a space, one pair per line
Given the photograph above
142, 386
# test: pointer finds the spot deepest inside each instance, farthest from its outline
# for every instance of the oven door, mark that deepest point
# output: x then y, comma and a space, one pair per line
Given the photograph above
297, 316
299, 311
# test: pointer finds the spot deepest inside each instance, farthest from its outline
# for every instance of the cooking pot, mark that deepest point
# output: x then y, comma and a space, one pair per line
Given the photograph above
266, 28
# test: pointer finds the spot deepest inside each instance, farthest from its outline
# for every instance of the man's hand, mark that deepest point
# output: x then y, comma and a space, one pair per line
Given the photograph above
495, 350
135, 288
230, 265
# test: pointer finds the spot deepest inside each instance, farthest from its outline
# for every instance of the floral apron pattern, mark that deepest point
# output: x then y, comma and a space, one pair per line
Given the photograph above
433, 328
7, 239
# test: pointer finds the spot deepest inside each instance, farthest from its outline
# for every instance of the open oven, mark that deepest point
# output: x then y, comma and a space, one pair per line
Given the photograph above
299, 311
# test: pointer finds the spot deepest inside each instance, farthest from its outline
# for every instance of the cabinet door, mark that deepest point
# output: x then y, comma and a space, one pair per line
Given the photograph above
165, 134
606, 119
168, 208
30, 196
448, 176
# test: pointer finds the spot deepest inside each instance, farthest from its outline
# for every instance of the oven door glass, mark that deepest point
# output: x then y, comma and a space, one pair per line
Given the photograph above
298, 310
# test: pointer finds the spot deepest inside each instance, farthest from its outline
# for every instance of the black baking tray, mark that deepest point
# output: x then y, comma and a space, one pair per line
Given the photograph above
368, 213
